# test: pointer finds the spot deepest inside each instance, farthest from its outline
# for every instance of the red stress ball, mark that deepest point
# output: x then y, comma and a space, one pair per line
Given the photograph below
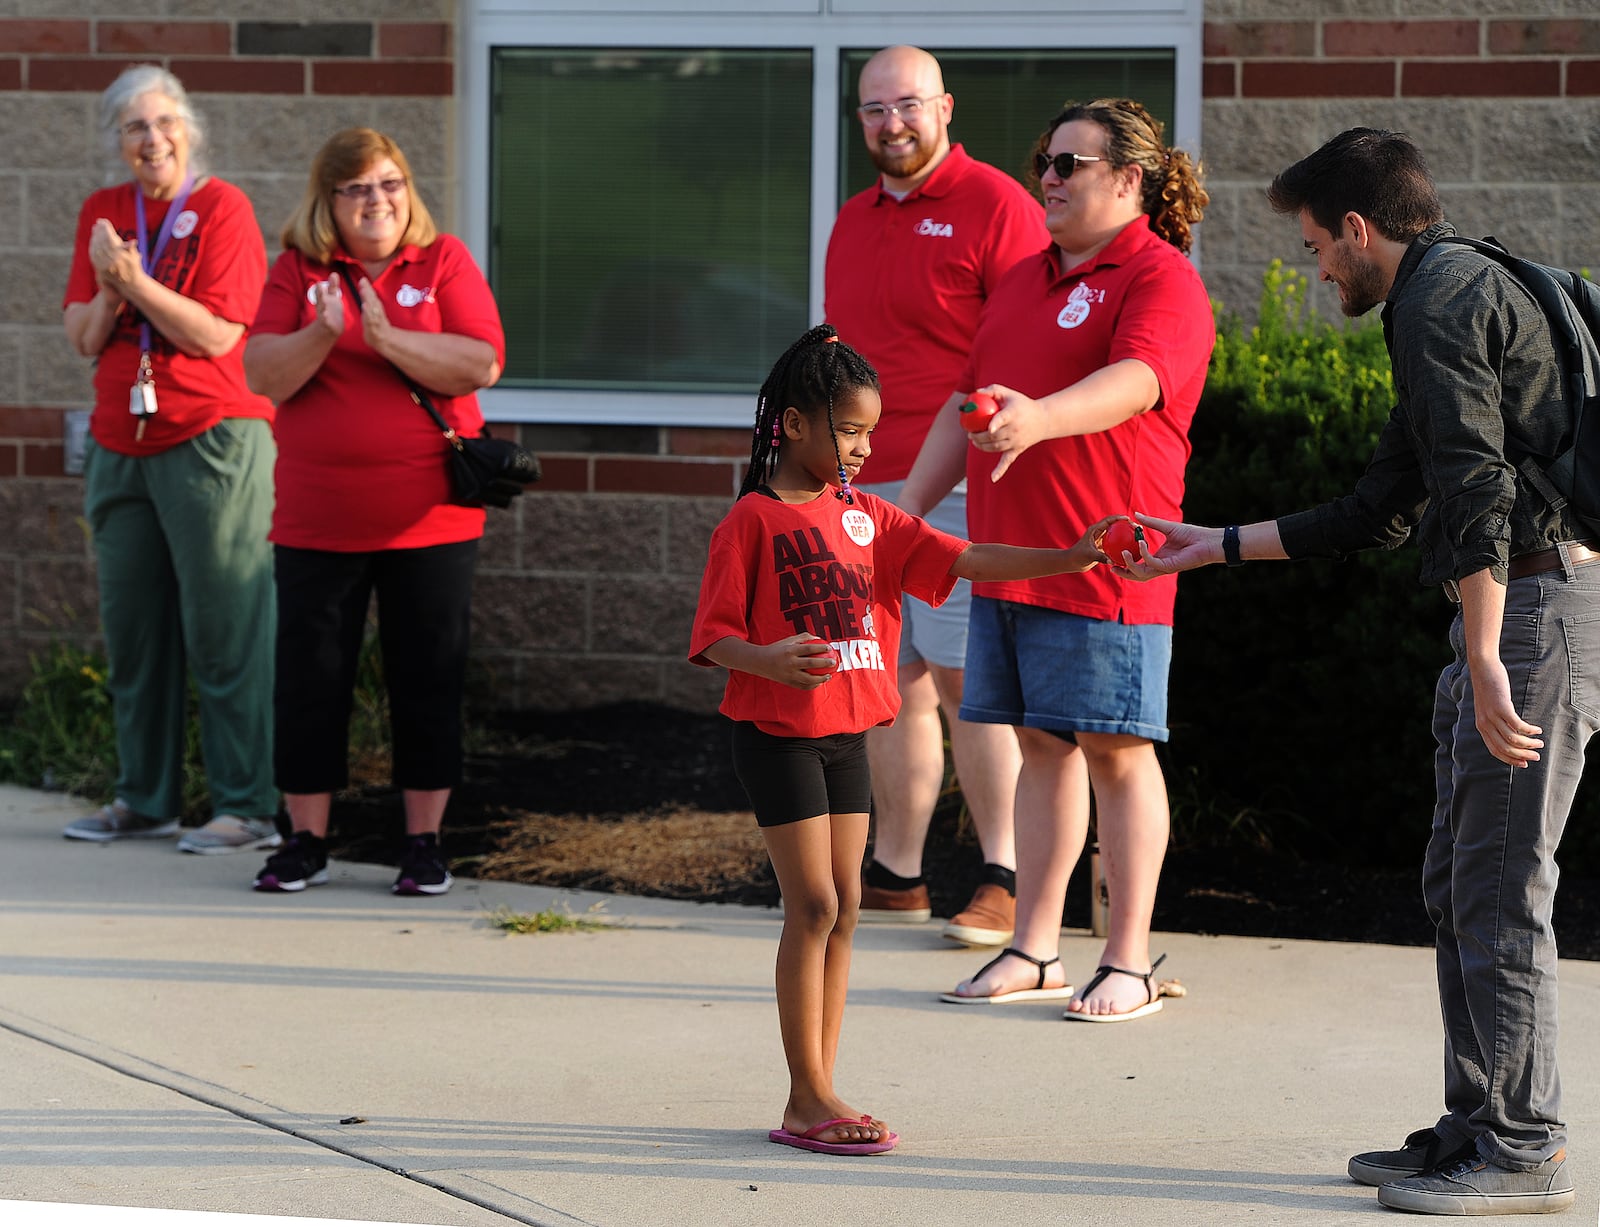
826, 661
980, 407
1122, 536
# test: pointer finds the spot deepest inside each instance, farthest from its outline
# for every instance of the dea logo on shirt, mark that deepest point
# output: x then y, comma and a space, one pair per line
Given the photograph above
1078, 304
858, 524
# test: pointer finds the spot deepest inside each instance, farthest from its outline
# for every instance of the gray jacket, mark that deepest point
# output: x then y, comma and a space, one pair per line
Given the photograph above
1476, 377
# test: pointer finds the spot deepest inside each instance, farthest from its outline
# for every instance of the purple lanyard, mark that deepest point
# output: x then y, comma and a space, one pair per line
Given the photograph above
147, 256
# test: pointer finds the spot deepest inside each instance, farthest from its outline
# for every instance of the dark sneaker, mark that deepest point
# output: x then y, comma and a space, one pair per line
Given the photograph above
422, 868
990, 919
1476, 1186
895, 907
301, 862
117, 821
1422, 1151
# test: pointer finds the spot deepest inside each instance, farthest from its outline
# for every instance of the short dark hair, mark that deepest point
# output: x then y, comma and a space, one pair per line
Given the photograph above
1379, 174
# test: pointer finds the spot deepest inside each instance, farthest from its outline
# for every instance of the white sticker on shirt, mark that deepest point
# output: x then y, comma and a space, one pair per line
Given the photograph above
1078, 304
184, 226
858, 524
410, 296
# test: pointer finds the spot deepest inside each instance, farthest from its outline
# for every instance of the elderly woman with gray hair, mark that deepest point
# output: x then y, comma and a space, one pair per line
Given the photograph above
167, 270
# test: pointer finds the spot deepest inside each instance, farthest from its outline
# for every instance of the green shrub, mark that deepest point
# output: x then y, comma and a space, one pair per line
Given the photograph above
1301, 693
62, 735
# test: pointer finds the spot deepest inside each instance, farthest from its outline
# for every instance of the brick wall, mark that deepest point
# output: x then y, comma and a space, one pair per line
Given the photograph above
271, 85
1504, 99
586, 586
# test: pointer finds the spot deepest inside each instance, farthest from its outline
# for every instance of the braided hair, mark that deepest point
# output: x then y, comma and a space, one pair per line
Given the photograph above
812, 374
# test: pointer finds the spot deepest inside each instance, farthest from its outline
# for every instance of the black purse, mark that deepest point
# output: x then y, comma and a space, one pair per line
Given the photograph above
484, 471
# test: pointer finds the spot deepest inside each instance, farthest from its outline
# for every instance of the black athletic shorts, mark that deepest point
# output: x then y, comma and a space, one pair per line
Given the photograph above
791, 778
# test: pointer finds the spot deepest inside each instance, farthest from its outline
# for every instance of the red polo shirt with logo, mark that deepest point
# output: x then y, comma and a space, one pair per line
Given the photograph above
361, 466
1043, 331
907, 279
215, 257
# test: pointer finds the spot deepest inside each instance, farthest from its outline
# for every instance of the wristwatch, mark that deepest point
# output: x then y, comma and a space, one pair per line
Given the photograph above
1230, 546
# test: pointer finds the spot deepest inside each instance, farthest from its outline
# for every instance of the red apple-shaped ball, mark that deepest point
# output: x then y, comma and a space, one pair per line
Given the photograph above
825, 662
1119, 537
980, 407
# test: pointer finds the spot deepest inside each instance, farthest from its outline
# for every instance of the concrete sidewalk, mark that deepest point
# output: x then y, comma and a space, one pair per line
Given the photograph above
170, 1039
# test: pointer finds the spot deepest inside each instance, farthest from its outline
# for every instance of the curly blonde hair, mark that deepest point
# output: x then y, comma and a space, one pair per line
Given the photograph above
310, 229
1173, 196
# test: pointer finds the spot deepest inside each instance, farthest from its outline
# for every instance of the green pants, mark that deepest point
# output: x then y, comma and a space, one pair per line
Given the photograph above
186, 586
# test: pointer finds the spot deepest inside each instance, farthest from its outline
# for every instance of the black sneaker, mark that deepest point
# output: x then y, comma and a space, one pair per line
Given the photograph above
1422, 1151
301, 862
422, 868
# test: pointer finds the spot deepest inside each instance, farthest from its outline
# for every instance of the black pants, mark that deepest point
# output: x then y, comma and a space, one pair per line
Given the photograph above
424, 613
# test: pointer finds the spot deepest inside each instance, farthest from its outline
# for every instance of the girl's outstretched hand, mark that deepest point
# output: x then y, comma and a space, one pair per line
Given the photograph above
802, 661
1091, 549
1186, 546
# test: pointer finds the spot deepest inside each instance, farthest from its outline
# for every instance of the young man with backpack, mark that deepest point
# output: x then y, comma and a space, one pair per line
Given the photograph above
1482, 413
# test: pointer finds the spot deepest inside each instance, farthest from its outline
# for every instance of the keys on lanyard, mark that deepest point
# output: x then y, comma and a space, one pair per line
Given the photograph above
142, 396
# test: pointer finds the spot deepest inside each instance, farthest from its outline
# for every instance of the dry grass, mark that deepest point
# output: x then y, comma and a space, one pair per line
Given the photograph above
681, 854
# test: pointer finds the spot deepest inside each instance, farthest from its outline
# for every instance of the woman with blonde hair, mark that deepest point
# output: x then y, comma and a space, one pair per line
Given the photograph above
368, 301
1096, 350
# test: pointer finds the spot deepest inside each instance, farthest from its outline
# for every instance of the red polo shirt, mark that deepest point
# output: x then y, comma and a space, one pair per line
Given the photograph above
1042, 332
215, 257
361, 466
907, 279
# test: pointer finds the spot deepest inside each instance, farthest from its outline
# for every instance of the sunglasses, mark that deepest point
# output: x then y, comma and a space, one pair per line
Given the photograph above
1063, 163
369, 191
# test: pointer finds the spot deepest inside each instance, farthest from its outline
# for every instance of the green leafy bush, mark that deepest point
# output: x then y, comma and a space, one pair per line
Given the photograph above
1301, 693
62, 734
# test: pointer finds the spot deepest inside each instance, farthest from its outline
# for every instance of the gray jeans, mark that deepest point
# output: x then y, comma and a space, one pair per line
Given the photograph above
1489, 878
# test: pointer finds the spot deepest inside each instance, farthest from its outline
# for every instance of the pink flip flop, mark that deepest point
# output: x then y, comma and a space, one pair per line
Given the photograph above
809, 1140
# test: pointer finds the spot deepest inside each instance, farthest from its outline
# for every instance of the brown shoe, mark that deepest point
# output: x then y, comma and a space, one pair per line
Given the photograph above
895, 907
989, 919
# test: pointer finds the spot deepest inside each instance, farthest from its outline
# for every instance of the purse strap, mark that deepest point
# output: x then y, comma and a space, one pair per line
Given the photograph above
412, 386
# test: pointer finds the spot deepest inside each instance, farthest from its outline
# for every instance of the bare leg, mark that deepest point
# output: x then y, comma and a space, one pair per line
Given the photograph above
987, 760
1051, 826
1133, 826
309, 811
424, 809
813, 966
907, 764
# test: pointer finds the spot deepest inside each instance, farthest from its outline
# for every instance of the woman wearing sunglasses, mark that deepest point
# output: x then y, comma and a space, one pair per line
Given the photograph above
367, 299
1096, 351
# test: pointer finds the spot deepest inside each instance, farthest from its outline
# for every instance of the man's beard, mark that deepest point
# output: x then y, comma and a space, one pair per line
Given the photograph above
902, 165
1361, 286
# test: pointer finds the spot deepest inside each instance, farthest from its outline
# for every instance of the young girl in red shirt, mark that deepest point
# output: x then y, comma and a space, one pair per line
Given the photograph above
800, 602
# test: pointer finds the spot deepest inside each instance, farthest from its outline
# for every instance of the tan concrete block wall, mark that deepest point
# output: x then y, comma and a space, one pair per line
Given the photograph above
1503, 98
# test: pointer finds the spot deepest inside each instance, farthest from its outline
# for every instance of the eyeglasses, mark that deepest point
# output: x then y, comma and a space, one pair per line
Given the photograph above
908, 109
1064, 163
138, 129
369, 191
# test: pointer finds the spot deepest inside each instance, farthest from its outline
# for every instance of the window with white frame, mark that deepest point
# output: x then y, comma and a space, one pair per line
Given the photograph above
657, 206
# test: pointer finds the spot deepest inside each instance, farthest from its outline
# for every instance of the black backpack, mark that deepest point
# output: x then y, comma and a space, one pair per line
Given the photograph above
1571, 303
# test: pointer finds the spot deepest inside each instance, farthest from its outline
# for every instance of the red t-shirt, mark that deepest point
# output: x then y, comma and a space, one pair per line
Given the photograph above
777, 569
1042, 332
215, 256
906, 281
360, 465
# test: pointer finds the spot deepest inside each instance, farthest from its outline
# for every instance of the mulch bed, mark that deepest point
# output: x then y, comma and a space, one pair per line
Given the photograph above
641, 799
